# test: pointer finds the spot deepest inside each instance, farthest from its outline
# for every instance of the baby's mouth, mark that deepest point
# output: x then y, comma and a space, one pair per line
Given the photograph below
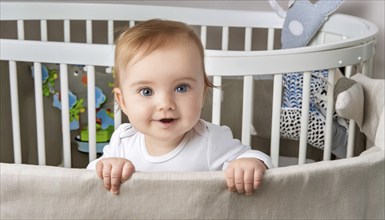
167, 120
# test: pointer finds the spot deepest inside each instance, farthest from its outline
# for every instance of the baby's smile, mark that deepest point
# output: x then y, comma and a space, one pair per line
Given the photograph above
167, 120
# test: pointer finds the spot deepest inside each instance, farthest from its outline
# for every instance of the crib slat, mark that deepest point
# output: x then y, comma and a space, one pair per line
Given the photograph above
110, 39
65, 115
89, 31
15, 113
352, 123
348, 71
276, 112
110, 32
39, 113
304, 117
131, 23
43, 30
366, 67
248, 88
247, 109
329, 115
248, 38
91, 112
20, 29
276, 108
225, 38
203, 35
351, 136
67, 31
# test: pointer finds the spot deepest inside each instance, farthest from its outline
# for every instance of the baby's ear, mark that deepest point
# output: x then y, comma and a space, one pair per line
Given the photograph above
349, 98
118, 94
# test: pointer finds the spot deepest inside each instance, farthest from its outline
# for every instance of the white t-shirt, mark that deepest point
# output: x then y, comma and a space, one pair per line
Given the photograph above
206, 147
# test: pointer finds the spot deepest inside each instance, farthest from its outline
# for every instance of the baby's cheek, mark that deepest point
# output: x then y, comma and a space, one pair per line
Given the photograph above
137, 113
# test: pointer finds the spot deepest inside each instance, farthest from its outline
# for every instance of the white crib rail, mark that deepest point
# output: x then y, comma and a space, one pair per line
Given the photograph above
357, 47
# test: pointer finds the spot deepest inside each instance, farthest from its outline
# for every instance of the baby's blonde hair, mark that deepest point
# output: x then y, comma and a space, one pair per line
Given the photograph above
148, 36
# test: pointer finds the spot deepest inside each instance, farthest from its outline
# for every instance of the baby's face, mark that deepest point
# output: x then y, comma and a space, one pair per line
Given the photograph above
163, 93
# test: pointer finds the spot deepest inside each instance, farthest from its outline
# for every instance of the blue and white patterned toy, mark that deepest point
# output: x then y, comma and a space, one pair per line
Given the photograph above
302, 21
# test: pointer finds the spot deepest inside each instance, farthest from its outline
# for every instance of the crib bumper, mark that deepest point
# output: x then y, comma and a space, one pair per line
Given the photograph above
348, 188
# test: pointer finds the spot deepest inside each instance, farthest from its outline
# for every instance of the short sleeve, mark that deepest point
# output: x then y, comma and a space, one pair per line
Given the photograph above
112, 149
223, 149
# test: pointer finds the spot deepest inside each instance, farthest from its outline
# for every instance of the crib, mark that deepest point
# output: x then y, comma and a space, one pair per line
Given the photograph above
64, 35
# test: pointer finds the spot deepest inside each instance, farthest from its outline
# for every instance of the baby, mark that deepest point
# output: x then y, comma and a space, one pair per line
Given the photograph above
160, 84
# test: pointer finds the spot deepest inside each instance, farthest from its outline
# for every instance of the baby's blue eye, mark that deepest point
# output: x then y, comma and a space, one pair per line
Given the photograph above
146, 92
181, 88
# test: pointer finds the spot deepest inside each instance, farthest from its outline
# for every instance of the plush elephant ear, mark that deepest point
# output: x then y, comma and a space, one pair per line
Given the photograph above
327, 7
304, 19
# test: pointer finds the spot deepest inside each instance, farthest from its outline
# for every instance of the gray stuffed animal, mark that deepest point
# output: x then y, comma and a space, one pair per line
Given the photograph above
304, 19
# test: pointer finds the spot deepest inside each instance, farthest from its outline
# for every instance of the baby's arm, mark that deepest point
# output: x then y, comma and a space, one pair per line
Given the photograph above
245, 175
114, 171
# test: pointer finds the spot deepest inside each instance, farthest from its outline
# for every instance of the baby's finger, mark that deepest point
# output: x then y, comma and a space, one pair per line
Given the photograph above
99, 169
249, 181
106, 176
258, 177
116, 174
230, 179
239, 181
128, 169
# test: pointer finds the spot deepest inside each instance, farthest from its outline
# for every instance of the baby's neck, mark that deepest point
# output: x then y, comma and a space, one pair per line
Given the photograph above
156, 147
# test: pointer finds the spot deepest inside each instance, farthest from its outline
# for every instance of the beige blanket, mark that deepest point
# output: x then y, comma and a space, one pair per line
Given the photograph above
349, 188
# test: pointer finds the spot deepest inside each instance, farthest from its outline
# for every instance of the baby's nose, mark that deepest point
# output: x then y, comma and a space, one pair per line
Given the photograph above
166, 102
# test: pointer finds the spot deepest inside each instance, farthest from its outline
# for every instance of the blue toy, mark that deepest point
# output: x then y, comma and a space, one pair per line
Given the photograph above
48, 77
75, 106
106, 118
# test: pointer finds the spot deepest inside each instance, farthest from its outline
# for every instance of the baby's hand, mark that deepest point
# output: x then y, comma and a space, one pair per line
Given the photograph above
244, 175
114, 171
